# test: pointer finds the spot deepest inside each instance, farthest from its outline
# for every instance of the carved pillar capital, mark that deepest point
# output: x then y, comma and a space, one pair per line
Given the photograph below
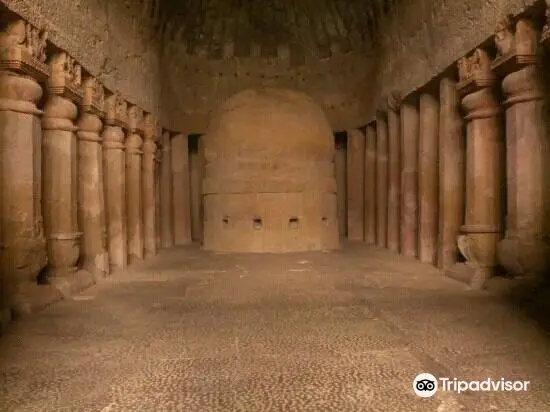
149, 134
135, 119
23, 49
116, 111
91, 110
135, 129
93, 100
476, 81
394, 100
150, 127
65, 77
517, 43
158, 153
545, 35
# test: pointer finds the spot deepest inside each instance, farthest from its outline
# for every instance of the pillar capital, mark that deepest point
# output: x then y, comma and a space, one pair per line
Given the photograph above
158, 153
517, 43
116, 110
150, 127
165, 140
394, 100
545, 35
65, 77
135, 119
23, 49
93, 100
474, 72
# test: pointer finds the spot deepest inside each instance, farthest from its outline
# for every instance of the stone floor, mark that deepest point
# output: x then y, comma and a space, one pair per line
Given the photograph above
337, 331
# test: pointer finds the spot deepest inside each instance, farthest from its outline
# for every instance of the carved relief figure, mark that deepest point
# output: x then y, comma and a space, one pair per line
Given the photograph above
99, 93
480, 61
31, 38
73, 71
121, 108
64, 65
36, 42
504, 38
133, 117
464, 68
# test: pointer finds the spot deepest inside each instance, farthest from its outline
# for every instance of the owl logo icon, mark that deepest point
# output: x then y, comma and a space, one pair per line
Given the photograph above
425, 385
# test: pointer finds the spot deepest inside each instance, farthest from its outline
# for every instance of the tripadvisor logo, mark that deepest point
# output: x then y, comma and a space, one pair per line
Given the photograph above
426, 385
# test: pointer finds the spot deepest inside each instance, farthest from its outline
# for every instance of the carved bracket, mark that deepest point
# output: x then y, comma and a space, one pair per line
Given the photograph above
150, 127
94, 97
116, 113
121, 112
65, 77
474, 72
517, 45
135, 119
394, 101
23, 50
158, 153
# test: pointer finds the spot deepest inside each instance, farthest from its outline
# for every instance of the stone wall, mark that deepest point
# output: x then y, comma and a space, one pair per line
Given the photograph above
114, 40
422, 38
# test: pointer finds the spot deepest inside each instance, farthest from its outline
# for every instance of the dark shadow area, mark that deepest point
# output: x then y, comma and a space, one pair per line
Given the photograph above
531, 294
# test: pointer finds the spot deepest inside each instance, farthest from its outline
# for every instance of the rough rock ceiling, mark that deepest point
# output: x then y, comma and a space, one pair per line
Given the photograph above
204, 26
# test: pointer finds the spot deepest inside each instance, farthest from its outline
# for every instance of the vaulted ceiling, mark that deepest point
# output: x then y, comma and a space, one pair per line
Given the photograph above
204, 26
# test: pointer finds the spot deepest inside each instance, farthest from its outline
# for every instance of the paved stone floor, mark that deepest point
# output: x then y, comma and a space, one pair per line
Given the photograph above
338, 331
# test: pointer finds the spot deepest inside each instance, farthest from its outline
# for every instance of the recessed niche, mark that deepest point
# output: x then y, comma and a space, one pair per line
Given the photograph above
225, 221
324, 219
257, 223
293, 222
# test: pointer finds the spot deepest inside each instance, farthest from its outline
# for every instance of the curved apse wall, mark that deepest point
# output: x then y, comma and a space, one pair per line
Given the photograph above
324, 49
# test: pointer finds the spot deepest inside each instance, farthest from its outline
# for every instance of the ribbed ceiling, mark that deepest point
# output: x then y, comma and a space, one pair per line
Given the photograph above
203, 27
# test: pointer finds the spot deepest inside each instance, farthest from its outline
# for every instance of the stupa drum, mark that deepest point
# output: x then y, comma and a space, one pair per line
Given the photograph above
269, 183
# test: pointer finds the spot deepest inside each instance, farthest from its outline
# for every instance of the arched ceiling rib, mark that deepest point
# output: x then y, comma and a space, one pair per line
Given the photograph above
204, 26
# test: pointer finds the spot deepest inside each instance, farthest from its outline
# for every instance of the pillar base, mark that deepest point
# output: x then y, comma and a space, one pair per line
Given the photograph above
473, 275
133, 259
520, 257
71, 283
97, 265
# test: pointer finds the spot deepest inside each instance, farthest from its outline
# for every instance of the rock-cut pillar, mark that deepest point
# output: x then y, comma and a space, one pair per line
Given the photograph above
23, 246
158, 219
60, 168
524, 250
341, 186
428, 178
381, 179
409, 176
482, 229
394, 173
197, 209
134, 209
114, 163
355, 168
451, 173
149, 185
166, 193
91, 200
181, 190
370, 185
